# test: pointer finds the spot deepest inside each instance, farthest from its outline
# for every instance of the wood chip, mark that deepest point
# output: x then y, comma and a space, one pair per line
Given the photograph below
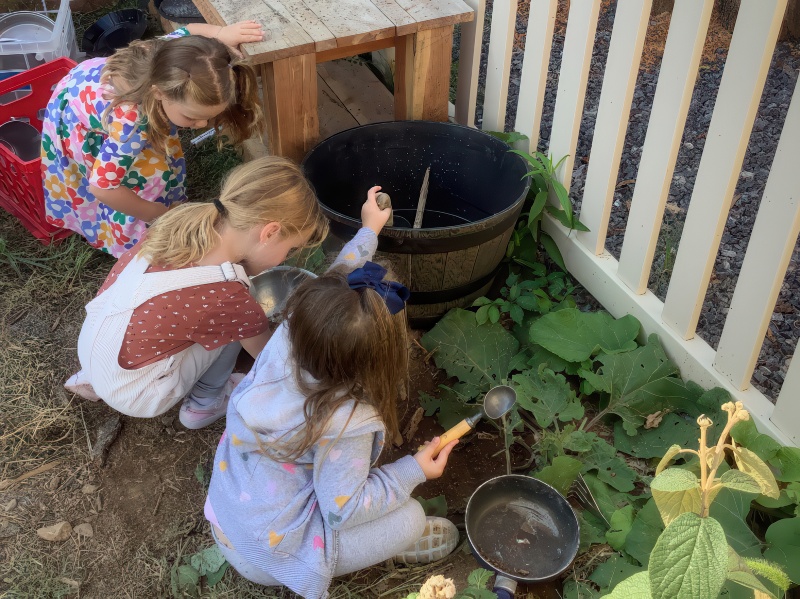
7, 484
413, 424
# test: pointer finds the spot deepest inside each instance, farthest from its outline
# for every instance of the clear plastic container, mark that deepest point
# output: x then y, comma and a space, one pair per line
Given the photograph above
32, 37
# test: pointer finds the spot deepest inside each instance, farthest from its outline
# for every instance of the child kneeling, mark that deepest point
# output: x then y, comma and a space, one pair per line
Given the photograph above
295, 497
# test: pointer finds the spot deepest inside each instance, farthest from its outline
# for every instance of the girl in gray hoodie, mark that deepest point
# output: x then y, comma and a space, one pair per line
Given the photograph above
295, 497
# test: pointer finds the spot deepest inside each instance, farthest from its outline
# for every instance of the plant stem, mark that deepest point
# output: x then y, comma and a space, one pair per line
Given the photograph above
505, 442
703, 472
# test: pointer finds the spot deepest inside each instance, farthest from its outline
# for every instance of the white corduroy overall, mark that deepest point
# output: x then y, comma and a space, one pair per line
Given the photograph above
152, 389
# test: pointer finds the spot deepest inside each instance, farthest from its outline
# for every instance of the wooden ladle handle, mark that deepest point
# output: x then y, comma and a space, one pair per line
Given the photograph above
458, 431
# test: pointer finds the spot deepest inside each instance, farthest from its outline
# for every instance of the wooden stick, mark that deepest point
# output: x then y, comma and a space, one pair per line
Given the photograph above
423, 197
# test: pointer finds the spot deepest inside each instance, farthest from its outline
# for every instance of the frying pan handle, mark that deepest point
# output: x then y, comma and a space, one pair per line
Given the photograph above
458, 431
504, 587
503, 593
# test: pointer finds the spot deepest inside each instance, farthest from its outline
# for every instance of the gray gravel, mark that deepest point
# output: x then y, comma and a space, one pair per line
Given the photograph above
780, 343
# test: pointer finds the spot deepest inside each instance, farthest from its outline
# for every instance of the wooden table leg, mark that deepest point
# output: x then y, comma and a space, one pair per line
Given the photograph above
422, 74
290, 105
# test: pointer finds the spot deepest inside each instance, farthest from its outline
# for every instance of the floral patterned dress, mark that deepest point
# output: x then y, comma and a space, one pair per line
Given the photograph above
79, 150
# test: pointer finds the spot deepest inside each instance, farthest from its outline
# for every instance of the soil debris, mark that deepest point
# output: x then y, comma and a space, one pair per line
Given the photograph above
106, 435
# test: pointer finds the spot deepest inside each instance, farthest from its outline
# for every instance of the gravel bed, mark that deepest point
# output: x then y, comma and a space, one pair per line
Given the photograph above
782, 337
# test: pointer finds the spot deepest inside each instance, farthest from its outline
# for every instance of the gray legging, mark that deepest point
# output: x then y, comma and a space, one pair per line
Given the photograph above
359, 547
213, 380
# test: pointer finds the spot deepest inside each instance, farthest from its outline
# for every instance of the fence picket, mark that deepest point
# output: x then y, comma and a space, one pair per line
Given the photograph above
786, 415
751, 50
501, 43
768, 253
469, 59
619, 81
538, 43
572, 78
687, 33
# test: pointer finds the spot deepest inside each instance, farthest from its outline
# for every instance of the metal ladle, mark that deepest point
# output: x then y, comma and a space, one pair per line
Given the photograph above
496, 404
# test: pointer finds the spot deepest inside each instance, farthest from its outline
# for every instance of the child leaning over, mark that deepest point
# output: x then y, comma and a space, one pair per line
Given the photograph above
111, 157
295, 497
175, 310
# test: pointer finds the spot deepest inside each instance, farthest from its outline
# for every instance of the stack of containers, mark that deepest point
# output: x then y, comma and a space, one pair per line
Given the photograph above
36, 48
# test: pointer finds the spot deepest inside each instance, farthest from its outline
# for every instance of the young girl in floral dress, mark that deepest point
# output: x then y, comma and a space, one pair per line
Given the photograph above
111, 157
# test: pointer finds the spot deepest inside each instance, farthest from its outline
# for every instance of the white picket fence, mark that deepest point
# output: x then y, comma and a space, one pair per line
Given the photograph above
621, 286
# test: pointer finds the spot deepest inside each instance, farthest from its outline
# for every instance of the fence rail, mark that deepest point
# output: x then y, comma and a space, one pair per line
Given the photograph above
621, 286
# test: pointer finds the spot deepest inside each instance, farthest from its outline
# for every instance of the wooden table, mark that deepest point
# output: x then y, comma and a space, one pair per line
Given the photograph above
301, 33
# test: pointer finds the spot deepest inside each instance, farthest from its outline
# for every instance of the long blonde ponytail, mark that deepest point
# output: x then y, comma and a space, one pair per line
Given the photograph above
269, 189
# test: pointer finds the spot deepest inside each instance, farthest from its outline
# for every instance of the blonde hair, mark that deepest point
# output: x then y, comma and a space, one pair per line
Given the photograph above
266, 190
193, 68
355, 349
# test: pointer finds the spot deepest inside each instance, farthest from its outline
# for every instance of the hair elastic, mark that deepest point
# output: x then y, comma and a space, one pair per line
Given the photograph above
371, 275
220, 208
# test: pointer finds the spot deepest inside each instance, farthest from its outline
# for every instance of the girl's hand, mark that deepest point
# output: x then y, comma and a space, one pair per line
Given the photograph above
372, 216
244, 32
433, 467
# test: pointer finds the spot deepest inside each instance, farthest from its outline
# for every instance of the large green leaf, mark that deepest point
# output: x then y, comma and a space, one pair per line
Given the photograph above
690, 559
646, 528
608, 499
641, 382
478, 355
575, 589
783, 537
746, 434
613, 571
621, 523
548, 396
676, 492
592, 530
576, 336
611, 468
561, 473
740, 481
637, 586
751, 464
448, 407
787, 460
730, 509
207, 560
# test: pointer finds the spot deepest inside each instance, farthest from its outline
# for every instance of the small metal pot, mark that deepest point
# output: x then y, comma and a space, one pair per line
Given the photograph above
273, 287
23, 139
522, 529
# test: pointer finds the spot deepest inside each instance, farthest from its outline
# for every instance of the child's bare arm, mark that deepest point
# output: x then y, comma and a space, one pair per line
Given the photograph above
231, 35
126, 201
254, 345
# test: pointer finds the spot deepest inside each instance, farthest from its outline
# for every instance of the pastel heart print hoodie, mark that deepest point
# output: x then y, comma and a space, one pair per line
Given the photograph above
284, 517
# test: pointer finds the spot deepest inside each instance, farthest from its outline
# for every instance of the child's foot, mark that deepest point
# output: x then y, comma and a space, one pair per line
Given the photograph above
200, 412
438, 540
82, 388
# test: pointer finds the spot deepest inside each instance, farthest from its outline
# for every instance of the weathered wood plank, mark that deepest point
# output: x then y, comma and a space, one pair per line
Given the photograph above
422, 75
484, 260
764, 268
283, 35
333, 115
458, 267
290, 104
432, 14
324, 38
357, 88
396, 14
739, 93
427, 272
352, 21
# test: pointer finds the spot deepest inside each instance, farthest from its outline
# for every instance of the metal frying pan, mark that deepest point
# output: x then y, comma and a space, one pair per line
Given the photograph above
522, 529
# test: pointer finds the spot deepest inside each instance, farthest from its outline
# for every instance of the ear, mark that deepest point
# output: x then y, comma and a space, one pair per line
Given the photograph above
269, 231
157, 93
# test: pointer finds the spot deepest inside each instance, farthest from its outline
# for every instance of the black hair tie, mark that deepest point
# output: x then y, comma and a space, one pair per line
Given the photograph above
220, 208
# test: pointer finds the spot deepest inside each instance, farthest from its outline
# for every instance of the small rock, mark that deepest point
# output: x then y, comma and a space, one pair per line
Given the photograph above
56, 532
53, 483
746, 175
167, 420
729, 253
89, 488
106, 435
688, 146
84, 530
10, 505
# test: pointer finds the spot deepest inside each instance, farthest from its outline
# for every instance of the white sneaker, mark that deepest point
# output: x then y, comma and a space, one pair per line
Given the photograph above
82, 388
194, 415
438, 540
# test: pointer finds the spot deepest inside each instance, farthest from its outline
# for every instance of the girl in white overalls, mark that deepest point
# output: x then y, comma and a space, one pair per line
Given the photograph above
174, 312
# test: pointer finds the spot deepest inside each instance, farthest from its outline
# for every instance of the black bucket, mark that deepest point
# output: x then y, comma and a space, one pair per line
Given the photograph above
476, 192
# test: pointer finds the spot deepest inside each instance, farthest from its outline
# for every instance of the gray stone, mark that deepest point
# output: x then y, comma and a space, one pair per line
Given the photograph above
84, 530
56, 532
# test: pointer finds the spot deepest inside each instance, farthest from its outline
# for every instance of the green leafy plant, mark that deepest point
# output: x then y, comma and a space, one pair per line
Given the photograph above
692, 556
523, 247
186, 574
539, 295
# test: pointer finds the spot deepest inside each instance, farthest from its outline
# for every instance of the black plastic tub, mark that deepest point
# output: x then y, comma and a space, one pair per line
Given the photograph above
476, 191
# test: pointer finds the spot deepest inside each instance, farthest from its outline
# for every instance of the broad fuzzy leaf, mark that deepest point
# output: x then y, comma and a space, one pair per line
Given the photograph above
608, 499
641, 382
448, 407
435, 506
645, 531
668, 457
621, 523
548, 396
576, 336
611, 468
592, 530
561, 473
751, 464
746, 434
207, 560
689, 560
636, 587
184, 581
479, 578
730, 508
478, 355
740, 481
783, 537
676, 492
575, 589
613, 571
212, 578
787, 460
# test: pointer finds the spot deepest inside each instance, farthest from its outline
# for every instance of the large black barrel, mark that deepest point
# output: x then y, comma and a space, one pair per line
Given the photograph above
475, 195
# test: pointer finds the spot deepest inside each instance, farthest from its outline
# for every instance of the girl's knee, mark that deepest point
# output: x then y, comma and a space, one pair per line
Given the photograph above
416, 516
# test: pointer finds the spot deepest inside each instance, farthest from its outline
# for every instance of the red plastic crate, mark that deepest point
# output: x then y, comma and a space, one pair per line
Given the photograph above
21, 187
